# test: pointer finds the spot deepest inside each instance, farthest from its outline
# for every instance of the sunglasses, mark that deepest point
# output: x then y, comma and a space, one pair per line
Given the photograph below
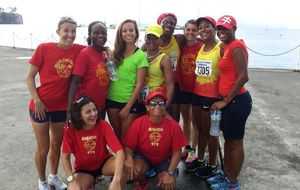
79, 100
160, 103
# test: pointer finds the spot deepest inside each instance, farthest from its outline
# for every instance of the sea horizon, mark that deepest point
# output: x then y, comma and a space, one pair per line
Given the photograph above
268, 47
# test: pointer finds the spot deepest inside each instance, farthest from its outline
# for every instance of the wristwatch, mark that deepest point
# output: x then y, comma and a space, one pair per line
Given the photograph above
171, 172
70, 178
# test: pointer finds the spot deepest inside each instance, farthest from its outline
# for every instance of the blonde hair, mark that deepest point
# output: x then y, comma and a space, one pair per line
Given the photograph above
65, 19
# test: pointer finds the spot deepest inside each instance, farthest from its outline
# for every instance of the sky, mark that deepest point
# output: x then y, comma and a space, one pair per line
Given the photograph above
265, 13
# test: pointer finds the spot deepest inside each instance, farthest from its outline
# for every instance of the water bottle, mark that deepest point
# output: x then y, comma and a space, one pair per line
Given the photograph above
112, 70
215, 119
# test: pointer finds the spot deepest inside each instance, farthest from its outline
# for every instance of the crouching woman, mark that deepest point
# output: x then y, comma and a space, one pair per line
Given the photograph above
154, 141
88, 138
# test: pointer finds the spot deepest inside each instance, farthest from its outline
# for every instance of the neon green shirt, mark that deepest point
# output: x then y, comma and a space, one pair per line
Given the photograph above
121, 90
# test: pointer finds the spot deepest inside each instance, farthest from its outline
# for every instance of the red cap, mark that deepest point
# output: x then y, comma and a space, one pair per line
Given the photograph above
164, 15
154, 94
208, 18
226, 21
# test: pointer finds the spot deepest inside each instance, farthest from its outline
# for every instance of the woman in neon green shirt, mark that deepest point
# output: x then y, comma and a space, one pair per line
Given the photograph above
122, 105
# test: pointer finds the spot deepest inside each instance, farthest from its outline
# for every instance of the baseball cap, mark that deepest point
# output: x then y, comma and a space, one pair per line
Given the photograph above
164, 15
154, 29
155, 94
208, 18
226, 21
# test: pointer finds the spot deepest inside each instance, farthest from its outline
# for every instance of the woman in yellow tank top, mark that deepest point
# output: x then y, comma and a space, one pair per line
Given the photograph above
170, 45
204, 95
159, 76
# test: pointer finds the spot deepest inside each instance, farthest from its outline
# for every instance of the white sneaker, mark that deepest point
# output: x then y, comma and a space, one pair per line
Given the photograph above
56, 182
44, 185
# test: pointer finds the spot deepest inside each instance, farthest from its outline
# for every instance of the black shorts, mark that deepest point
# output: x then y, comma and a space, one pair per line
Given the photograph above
54, 116
176, 95
203, 102
234, 117
94, 173
185, 97
135, 109
102, 113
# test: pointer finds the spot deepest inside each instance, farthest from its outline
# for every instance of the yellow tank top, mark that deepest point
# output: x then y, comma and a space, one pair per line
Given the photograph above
207, 72
173, 51
155, 77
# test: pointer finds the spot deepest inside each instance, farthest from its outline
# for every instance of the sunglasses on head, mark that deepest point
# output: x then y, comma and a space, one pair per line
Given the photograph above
79, 100
160, 103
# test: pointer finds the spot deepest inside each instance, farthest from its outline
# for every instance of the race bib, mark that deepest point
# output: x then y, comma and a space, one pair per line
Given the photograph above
144, 93
173, 57
174, 63
203, 67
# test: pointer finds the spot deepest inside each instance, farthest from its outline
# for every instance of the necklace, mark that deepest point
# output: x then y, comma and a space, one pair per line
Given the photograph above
153, 56
210, 46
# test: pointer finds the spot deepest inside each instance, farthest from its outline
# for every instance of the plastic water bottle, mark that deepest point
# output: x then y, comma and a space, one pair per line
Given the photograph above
215, 119
112, 70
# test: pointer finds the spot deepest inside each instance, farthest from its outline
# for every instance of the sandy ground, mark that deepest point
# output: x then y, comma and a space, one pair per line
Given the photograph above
272, 140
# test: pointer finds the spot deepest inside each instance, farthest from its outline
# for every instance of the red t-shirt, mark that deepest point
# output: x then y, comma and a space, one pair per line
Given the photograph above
227, 67
89, 147
55, 68
90, 65
186, 67
155, 141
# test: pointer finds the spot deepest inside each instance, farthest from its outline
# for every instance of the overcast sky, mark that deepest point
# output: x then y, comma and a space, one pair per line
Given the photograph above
264, 13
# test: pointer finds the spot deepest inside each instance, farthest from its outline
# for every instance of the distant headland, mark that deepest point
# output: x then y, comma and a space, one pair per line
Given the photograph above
10, 16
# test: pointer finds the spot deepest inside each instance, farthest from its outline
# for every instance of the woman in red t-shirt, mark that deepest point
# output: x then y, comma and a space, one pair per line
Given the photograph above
154, 141
186, 79
171, 44
92, 142
90, 76
236, 104
53, 62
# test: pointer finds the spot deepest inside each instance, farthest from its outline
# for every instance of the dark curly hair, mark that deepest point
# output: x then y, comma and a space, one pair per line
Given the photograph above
76, 111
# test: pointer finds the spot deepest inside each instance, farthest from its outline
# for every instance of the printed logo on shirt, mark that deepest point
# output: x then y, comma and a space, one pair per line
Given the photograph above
154, 138
188, 64
89, 144
64, 67
102, 75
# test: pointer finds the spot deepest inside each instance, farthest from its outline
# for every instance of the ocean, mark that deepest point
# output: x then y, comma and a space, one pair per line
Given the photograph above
263, 43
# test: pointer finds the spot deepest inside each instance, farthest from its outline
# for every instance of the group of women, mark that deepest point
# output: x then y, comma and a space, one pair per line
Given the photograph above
178, 73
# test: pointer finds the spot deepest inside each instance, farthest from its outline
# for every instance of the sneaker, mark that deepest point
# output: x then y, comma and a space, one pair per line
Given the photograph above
226, 184
191, 156
54, 181
44, 185
150, 173
142, 185
100, 178
206, 171
194, 165
218, 177
184, 153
